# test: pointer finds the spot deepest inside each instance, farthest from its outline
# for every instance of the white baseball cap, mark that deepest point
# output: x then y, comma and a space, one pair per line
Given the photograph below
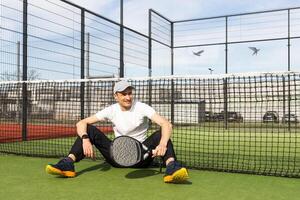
121, 86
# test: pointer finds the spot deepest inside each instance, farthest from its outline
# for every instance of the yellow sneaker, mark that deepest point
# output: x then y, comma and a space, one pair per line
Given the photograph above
175, 173
63, 168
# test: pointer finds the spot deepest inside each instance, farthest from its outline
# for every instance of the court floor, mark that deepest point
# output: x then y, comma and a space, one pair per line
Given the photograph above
25, 178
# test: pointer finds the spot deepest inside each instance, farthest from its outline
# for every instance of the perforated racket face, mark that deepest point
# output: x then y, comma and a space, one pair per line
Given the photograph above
126, 151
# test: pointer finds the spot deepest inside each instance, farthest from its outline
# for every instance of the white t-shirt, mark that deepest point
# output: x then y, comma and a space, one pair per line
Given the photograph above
133, 123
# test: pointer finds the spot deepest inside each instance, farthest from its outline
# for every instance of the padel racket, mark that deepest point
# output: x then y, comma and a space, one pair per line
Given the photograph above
127, 151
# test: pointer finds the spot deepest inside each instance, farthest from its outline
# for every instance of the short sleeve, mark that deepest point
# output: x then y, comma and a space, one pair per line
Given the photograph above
105, 114
147, 110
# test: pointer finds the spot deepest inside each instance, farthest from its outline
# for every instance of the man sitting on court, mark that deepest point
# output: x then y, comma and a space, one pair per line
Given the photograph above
129, 118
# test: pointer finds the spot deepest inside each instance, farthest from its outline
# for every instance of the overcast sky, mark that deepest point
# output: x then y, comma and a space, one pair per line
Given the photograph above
272, 56
136, 11
55, 24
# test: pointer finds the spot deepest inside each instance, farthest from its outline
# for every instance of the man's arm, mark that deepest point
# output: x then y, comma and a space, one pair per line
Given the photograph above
166, 131
82, 124
82, 130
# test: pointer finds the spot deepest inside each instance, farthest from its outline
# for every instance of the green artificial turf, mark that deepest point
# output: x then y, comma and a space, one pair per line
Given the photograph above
25, 178
259, 151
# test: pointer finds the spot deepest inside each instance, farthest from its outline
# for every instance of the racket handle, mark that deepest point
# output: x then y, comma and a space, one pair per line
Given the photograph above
150, 152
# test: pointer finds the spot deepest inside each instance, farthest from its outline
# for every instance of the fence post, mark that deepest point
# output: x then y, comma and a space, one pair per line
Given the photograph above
172, 73
82, 74
289, 67
121, 40
150, 54
225, 90
19, 93
226, 71
226, 45
24, 78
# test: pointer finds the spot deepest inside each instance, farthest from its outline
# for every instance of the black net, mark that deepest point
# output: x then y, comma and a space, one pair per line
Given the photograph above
239, 123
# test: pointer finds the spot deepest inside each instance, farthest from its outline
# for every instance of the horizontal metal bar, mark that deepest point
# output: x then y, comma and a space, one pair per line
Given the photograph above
141, 34
100, 16
244, 41
172, 77
151, 10
160, 42
234, 15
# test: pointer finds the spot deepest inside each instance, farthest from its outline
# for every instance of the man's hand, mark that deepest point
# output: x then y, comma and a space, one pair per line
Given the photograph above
160, 150
88, 148
166, 130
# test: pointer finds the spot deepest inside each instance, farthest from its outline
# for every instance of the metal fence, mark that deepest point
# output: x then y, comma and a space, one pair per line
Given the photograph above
60, 40
247, 123
50, 39
263, 41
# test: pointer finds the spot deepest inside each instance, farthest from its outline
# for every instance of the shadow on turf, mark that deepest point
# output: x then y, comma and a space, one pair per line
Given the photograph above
139, 173
142, 173
102, 167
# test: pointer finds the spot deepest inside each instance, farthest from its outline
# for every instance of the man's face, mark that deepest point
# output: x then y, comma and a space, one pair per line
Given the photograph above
124, 98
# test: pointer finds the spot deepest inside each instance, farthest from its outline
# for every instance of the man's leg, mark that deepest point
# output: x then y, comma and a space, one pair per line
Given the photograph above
97, 138
65, 167
153, 140
175, 173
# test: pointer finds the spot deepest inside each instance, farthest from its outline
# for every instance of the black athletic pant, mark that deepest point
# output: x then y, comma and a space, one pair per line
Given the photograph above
102, 143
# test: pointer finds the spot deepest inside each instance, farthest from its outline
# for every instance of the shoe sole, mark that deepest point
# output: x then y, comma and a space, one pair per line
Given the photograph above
55, 171
179, 176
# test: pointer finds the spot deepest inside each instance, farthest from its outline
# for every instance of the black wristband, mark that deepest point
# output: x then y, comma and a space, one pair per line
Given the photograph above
85, 136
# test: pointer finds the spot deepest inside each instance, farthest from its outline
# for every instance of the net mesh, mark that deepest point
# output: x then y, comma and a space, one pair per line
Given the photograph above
240, 123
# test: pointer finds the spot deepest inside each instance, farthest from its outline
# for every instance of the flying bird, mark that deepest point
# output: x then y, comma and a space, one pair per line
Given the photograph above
255, 50
198, 53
